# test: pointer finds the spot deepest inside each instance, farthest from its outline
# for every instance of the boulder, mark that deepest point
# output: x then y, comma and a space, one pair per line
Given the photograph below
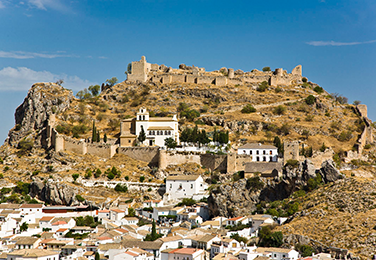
329, 172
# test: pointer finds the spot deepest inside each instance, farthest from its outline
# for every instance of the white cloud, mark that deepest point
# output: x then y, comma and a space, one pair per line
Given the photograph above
2, 5
333, 43
47, 4
31, 55
23, 78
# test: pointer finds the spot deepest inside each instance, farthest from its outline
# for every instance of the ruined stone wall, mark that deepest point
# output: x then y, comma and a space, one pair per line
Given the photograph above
101, 150
214, 162
75, 146
241, 161
145, 154
167, 158
319, 157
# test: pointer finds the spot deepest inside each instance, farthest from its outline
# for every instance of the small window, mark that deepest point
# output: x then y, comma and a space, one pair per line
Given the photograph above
250, 152
257, 158
271, 152
264, 159
271, 158
264, 152
170, 185
257, 152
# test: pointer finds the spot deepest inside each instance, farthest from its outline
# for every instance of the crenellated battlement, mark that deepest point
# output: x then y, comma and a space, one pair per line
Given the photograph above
146, 72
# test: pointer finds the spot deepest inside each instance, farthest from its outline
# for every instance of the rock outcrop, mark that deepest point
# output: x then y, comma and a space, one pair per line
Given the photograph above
329, 171
237, 199
54, 193
42, 100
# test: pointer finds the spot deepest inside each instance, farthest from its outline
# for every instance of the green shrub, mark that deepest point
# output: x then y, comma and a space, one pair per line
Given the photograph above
345, 136
310, 100
248, 109
367, 146
88, 174
254, 183
309, 118
126, 178
121, 188
142, 178
279, 110
97, 173
318, 90
6, 168
266, 69
263, 86
75, 176
25, 146
304, 79
278, 90
110, 175
304, 250
80, 198
292, 163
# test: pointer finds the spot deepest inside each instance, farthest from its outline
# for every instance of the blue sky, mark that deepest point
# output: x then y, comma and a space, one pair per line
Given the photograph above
86, 42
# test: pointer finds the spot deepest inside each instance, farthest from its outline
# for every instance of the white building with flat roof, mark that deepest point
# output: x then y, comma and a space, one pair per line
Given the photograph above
185, 186
259, 152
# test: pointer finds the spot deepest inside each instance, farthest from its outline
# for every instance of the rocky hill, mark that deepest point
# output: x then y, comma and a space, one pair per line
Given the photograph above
304, 112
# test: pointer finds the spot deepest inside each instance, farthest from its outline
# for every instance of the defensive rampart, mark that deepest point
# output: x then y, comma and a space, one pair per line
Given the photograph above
145, 154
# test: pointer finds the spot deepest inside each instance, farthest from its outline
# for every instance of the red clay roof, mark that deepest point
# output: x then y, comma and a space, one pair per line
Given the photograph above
118, 210
46, 219
59, 223
184, 251
61, 229
233, 219
33, 206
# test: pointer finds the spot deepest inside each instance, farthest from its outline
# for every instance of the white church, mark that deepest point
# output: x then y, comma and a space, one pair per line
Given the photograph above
156, 129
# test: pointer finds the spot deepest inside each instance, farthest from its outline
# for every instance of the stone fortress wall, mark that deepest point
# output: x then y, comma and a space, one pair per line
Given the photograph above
146, 72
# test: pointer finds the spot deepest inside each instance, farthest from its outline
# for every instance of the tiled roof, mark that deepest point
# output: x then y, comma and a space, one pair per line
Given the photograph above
33, 253
183, 178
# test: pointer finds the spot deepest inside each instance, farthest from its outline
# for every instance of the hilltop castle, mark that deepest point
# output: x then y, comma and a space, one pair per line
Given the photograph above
146, 72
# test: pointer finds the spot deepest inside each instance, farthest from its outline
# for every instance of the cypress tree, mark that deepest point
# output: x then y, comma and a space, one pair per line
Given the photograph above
98, 137
94, 133
105, 138
142, 135
97, 256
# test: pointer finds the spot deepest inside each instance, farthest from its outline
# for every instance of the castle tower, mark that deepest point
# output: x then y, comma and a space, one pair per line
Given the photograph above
139, 70
231, 73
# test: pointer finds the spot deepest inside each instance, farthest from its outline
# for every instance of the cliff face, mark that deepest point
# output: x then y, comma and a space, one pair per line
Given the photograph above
42, 100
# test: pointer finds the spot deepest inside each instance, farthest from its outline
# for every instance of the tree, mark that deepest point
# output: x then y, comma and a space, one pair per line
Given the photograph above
310, 100
142, 135
24, 227
131, 212
356, 102
170, 143
94, 133
105, 138
121, 188
153, 235
94, 89
112, 81
269, 239
263, 86
278, 143
266, 69
59, 82
142, 178
97, 256
80, 94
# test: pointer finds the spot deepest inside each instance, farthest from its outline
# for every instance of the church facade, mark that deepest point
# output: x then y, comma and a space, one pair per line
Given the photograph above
156, 129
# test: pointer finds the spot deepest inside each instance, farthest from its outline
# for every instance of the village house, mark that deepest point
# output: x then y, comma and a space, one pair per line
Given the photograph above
237, 221
33, 254
260, 152
226, 245
129, 221
103, 214
183, 254
205, 241
32, 208
278, 253
258, 220
152, 203
185, 186
26, 242
117, 214
156, 129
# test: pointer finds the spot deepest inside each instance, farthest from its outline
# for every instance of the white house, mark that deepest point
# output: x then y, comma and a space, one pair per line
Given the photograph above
278, 253
185, 186
224, 246
183, 253
156, 129
237, 221
152, 203
116, 214
260, 152
258, 220
103, 214
32, 208
129, 221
